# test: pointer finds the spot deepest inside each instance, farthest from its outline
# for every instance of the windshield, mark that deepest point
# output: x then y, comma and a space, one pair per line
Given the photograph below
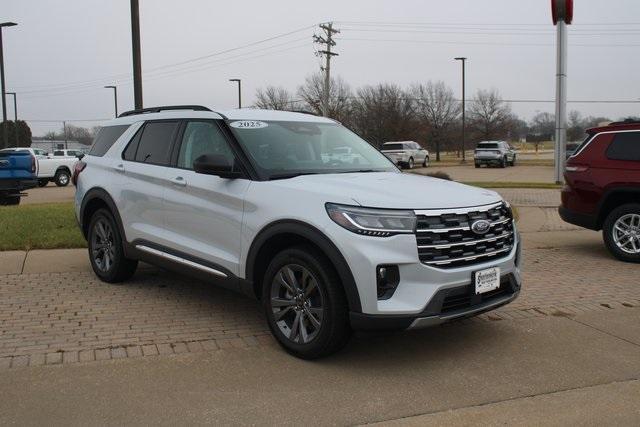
282, 149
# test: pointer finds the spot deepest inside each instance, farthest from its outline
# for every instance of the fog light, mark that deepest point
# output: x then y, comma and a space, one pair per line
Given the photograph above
387, 279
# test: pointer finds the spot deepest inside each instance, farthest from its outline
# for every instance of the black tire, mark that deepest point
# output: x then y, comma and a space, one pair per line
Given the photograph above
503, 162
62, 178
513, 161
410, 163
10, 201
425, 164
477, 165
609, 233
43, 182
328, 297
107, 243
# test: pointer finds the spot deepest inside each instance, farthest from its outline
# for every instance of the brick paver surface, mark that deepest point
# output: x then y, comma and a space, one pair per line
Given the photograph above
72, 317
531, 197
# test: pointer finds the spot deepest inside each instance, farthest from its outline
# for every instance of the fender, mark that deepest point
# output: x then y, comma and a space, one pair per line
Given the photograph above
608, 195
316, 237
101, 194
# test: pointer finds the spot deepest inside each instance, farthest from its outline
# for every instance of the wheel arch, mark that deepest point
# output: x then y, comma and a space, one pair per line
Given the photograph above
63, 168
282, 234
614, 198
95, 199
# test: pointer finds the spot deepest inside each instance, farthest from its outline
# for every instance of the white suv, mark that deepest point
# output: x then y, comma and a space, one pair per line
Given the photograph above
258, 202
406, 153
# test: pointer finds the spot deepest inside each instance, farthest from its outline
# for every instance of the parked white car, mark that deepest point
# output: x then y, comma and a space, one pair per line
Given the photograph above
498, 153
50, 168
406, 153
67, 153
256, 202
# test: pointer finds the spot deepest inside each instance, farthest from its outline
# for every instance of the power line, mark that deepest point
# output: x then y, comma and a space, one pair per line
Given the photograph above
486, 43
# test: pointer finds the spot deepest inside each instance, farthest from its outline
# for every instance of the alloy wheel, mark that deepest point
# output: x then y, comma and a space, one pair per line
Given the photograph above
626, 233
296, 303
103, 245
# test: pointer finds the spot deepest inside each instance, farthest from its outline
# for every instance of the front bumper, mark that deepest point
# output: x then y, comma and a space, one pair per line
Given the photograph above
446, 305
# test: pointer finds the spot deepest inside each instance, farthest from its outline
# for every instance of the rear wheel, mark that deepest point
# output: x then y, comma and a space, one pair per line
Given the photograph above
305, 304
105, 249
621, 232
62, 178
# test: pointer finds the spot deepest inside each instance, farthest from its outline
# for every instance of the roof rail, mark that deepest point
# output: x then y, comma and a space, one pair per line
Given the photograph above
303, 112
164, 108
625, 122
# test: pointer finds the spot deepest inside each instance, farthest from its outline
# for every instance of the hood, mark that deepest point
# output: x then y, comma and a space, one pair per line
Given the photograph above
393, 190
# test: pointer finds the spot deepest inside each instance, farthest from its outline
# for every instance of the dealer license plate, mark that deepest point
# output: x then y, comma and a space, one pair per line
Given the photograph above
487, 280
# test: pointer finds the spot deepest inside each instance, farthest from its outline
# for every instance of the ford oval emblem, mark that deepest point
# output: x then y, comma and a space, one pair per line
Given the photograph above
481, 226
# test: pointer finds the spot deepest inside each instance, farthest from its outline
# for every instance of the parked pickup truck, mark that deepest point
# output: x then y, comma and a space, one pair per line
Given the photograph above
17, 173
49, 168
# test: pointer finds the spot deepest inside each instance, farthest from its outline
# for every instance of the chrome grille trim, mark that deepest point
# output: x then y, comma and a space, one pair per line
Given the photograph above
444, 238
467, 243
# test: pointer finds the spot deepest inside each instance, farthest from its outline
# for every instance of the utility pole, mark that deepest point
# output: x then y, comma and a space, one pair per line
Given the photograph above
239, 81
15, 116
4, 101
463, 60
327, 40
115, 97
137, 62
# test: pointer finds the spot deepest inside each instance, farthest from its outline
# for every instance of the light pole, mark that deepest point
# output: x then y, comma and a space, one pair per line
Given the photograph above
15, 115
137, 61
4, 101
239, 91
463, 60
115, 97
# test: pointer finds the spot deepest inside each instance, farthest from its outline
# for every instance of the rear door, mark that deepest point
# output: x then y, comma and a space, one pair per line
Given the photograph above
144, 170
204, 212
623, 156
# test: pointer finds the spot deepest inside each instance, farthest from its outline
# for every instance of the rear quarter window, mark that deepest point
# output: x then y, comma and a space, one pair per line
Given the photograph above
625, 146
105, 138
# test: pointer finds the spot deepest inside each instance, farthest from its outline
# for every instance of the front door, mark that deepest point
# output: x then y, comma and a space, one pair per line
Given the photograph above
203, 213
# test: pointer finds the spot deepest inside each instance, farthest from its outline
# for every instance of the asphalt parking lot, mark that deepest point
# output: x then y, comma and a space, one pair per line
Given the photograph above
166, 349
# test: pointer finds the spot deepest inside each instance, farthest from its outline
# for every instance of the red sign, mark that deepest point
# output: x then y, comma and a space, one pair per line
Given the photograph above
562, 10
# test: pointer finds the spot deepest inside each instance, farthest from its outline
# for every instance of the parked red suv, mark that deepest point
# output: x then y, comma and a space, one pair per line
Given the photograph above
602, 190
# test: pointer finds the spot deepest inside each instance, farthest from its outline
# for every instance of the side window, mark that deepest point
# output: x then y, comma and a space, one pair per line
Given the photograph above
58, 153
130, 152
105, 138
202, 138
155, 143
625, 146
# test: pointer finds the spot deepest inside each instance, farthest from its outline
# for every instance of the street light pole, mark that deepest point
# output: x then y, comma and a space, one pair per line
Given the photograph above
239, 91
4, 101
463, 60
15, 116
115, 97
137, 61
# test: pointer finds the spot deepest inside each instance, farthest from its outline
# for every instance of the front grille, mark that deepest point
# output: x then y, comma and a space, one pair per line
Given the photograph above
446, 240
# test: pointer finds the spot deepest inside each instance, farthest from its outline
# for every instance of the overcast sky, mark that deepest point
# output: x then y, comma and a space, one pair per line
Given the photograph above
63, 52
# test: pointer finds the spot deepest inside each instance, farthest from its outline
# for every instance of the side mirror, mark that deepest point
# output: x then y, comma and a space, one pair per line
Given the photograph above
215, 164
80, 156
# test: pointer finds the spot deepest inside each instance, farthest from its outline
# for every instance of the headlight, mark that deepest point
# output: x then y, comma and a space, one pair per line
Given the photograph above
372, 222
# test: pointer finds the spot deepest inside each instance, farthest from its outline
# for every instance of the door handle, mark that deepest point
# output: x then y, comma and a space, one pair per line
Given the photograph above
119, 167
178, 180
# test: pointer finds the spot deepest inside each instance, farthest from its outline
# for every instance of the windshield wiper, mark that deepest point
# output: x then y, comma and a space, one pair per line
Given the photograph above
290, 175
361, 171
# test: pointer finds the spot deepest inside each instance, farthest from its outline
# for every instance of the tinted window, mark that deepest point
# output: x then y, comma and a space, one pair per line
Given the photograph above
155, 143
58, 153
392, 147
105, 138
487, 145
625, 146
202, 138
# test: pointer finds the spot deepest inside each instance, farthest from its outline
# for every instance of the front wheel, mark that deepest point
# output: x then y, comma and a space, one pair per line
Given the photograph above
513, 161
305, 304
62, 178
621, 232
105, 249
411, 163
503, 162
425, 164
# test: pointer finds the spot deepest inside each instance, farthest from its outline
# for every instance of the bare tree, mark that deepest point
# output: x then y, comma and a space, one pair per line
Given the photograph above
340, 96
383, 113
436, 106
489, 115
275, 98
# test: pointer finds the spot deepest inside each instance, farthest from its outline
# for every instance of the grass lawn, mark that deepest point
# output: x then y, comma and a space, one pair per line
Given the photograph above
42, 226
